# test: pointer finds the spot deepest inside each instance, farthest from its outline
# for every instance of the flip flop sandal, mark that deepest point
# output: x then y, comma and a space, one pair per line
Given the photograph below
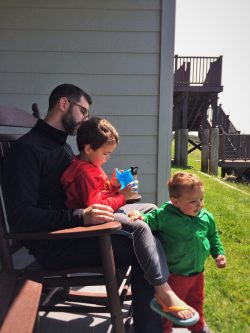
163, 311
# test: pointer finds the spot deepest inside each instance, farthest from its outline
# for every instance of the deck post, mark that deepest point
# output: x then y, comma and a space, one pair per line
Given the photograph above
214, 105
177, 145
204, 150
184, 147
184, 120
214, 151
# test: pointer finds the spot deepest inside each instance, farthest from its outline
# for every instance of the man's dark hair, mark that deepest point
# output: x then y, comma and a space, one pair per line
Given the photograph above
96, 132
70, 91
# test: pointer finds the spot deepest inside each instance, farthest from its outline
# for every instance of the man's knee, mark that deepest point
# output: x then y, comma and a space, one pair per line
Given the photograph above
139, 226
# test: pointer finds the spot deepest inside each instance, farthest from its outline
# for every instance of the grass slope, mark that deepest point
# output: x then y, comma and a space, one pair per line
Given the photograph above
227, 307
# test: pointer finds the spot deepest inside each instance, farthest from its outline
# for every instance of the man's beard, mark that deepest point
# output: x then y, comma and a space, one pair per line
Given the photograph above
69, 124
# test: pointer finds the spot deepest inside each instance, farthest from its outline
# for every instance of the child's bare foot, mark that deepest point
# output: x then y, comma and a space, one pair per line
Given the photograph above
171, 303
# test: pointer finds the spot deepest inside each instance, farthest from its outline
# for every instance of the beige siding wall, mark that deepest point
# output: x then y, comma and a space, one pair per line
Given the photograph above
109, 48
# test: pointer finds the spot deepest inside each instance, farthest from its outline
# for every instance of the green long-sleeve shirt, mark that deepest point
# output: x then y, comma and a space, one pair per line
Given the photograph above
187, 240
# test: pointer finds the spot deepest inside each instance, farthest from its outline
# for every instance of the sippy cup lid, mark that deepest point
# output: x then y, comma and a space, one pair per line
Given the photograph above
134, 170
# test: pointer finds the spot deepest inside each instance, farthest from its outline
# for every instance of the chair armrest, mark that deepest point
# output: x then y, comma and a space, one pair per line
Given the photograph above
78, 232
19, 303
137, 197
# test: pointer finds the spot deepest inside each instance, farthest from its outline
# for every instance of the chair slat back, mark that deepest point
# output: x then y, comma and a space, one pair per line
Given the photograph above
10, 120
14, 117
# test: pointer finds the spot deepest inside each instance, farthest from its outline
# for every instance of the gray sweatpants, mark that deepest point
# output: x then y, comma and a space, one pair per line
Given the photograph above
148, 249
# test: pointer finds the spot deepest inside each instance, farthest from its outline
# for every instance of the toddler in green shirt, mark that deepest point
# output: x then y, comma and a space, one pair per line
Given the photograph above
188, 234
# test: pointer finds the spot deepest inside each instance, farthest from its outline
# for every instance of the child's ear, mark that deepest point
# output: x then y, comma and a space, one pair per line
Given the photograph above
87, 149
174, 201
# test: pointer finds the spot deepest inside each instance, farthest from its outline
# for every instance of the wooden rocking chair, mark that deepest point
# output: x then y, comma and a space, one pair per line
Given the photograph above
56, 280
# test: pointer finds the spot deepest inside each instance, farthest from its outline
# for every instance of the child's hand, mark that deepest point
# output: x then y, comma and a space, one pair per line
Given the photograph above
114, 181
128, 191
221, 261
135, 215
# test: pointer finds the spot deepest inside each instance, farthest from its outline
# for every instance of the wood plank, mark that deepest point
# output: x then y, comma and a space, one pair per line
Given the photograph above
16, 117
23, 310
129, 85
141, 145
122, 105
135, 125
72, 233
8, 282
147, 163
108, 105
81, 63
111, 4
76, 19
80, 41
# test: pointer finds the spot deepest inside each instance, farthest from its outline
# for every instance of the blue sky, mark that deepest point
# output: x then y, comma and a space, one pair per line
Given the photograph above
214, 28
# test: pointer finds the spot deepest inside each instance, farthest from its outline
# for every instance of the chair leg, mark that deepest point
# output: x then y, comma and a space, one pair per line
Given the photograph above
111, 284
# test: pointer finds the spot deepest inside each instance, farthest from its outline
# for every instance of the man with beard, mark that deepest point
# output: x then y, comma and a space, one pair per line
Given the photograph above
35, 202
33, 167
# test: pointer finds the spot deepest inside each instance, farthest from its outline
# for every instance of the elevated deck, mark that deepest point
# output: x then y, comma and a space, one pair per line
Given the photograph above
198, 74
197, 83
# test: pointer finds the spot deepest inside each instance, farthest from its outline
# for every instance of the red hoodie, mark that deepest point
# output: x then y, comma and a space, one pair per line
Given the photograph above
86, 184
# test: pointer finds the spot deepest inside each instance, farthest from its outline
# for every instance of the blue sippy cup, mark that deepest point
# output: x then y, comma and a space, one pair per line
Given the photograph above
124, 177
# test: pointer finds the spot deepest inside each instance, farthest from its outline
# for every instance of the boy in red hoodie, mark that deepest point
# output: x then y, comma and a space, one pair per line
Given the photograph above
85, 183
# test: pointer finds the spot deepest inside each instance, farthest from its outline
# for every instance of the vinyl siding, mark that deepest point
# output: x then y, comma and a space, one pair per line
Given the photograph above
109, 48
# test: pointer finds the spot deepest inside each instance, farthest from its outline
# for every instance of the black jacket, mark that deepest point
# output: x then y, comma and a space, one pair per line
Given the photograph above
32, 170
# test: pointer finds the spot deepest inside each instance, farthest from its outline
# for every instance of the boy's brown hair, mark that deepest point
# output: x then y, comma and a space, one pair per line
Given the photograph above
182, 181
96, 132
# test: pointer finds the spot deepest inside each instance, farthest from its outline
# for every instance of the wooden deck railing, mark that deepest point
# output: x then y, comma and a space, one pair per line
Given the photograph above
234, 147
197, 71
225, 124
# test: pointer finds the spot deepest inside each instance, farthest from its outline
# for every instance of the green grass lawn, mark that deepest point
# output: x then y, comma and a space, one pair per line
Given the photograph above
227, 302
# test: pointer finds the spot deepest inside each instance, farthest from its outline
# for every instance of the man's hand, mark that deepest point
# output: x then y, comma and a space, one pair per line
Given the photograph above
96, 214
221, 261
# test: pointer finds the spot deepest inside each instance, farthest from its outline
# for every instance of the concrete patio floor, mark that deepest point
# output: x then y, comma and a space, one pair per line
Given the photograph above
71, 323
56, 322
62, 322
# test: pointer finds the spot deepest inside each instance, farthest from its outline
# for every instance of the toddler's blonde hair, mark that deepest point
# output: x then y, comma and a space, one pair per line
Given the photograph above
182, 181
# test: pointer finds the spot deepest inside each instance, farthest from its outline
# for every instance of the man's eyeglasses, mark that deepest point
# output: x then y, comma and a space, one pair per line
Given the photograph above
84, 111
